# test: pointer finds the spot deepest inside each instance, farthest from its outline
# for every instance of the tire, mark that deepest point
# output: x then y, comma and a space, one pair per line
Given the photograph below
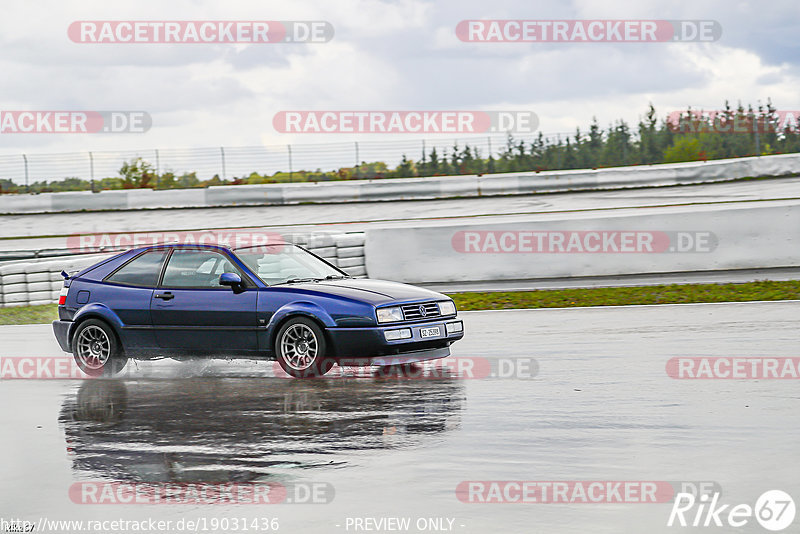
96, 349
301, 349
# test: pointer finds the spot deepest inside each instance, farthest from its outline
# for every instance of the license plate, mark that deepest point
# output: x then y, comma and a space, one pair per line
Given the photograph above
433, 331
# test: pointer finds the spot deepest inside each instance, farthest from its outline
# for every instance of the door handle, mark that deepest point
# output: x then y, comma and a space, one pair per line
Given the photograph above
165, 296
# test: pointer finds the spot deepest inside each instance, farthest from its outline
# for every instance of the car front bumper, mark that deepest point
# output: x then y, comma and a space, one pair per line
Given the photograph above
370, 344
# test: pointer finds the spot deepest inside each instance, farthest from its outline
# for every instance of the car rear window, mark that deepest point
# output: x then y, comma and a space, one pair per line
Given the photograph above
142, 271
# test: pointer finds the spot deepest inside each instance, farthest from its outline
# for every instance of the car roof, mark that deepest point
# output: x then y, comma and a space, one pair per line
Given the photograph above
223, 248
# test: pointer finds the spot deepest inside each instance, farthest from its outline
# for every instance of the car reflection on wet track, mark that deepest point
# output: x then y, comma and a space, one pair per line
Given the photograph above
246, 429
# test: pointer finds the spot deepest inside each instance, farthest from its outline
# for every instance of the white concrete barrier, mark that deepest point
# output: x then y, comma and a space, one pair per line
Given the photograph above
632, 241
350, 254
409, 188
34, 282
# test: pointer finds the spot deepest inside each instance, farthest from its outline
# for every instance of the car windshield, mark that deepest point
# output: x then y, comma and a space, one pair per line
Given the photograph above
286, 264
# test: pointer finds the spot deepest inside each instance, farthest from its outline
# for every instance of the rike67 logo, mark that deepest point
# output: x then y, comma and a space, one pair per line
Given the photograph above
774, 510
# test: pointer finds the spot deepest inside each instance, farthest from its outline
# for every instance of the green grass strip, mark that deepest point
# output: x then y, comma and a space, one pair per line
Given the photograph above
46, 313
621, 296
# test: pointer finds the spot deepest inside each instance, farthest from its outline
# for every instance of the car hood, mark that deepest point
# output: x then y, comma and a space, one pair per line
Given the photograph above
375, 292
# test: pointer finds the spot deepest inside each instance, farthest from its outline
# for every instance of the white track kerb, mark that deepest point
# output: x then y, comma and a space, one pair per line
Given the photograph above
409, 188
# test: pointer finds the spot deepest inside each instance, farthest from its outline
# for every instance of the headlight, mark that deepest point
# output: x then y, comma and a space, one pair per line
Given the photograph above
447, 308
390, 315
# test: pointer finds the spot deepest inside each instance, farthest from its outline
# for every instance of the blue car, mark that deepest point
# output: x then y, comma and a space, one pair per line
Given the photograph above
275, 301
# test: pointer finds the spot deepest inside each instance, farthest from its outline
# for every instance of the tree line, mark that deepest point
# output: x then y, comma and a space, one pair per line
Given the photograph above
691, 135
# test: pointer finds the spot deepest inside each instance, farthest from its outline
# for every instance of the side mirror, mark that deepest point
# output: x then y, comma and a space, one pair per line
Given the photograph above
232, 280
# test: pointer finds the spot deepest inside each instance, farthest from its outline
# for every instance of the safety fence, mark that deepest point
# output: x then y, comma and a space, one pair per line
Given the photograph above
395, 189
230, 162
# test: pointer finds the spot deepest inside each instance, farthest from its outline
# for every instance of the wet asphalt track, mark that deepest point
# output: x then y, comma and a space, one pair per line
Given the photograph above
601, 407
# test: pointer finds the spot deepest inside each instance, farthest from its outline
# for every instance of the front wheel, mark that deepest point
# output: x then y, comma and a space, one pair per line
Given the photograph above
300, 349
96, 350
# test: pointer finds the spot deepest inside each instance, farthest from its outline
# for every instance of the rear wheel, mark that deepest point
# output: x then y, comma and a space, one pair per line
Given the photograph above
96, 349
300, 348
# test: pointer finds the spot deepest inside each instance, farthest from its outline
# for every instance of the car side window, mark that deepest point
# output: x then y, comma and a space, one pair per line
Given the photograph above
196, 269
142, 271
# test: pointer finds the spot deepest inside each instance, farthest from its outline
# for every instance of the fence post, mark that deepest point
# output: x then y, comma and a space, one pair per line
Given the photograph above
27, 187
158, 167
358, 164
290, 163
91, 169
758, 140
222, 152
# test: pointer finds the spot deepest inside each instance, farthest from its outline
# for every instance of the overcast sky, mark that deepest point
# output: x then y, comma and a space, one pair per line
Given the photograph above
385, 55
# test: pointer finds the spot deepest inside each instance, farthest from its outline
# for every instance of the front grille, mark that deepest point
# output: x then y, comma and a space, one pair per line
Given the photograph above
412, 312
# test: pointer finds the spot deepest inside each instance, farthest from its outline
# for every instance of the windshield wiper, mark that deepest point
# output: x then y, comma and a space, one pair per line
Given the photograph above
311, 279
300, 280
